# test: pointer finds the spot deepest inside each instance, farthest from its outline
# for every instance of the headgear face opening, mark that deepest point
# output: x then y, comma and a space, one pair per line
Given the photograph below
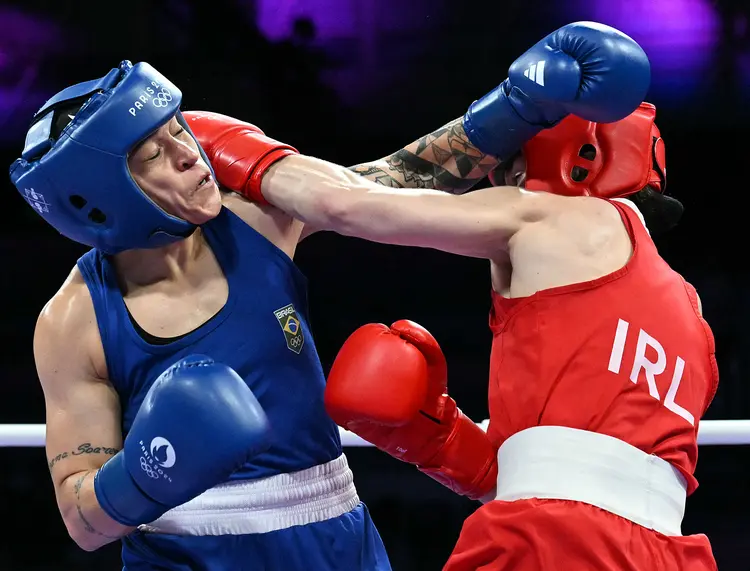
608, 160
80, 182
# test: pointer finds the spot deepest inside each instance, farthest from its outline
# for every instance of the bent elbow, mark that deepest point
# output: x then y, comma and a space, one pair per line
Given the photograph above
87, 545
81, 534
85, 540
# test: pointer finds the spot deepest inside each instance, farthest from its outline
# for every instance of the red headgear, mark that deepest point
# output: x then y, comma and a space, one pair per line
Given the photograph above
608, 160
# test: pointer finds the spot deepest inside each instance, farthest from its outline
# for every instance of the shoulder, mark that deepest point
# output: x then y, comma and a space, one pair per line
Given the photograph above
529, 206
581, 214
282, 230
578, 224
531, 203
66, 329
252, 213
68, 305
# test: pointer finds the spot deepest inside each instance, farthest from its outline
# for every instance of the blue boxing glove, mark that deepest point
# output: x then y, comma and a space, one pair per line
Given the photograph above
585, 68
198, 423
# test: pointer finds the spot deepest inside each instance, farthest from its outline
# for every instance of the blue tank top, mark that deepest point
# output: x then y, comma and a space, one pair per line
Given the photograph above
262, 332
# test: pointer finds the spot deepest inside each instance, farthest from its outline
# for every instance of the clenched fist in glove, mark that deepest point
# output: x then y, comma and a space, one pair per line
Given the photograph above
239, 152
389, 386
586, 68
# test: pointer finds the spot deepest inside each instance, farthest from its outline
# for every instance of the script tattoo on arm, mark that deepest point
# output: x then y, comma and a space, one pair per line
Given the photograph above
86, 523
443, 160
90, 528
78, 484
85, 448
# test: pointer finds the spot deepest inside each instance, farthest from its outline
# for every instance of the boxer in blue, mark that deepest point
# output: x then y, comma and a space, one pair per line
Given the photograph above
207, 477
184, 393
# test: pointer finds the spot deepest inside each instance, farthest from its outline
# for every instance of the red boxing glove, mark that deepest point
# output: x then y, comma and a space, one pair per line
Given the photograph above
388, 385
239, 152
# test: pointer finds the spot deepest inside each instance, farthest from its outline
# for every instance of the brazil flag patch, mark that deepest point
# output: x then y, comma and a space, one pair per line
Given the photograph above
291, 326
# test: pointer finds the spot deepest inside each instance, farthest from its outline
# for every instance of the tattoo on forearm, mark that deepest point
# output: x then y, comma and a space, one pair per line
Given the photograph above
78, 484
86, 523
443, 160
85, 448
90, 528
377, 174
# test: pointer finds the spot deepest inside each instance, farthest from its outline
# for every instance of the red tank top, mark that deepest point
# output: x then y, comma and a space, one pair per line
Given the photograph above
626, 355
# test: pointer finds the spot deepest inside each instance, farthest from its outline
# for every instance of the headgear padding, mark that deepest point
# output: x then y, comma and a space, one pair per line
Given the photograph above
608, 160
80, 182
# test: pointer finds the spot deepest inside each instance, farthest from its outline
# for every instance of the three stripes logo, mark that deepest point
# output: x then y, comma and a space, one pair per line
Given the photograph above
535, 72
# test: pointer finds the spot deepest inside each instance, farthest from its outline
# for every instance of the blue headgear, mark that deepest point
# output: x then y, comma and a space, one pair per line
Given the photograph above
80, 182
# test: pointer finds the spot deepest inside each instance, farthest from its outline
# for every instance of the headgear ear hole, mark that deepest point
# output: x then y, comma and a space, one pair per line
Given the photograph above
77, 201
97, 216
587, 152
579, 174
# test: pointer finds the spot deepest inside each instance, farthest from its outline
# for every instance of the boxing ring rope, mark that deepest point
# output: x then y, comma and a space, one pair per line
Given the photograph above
710, 432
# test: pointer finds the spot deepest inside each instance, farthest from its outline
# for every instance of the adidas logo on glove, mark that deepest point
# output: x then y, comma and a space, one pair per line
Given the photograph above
536, 72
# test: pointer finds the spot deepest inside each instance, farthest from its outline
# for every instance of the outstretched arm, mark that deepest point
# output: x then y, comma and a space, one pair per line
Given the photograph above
498, 124
325, 196
442, 160
331, 197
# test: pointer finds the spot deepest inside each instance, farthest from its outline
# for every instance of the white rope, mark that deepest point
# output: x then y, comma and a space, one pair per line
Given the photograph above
710, 432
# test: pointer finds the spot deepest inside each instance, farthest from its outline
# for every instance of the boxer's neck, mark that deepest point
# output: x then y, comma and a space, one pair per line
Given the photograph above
167, 263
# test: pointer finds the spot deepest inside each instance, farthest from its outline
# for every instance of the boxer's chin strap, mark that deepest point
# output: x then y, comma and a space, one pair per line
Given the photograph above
163, 233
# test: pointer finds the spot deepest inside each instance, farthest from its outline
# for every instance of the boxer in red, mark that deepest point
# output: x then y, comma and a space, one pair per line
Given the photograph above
601, 364
601, 367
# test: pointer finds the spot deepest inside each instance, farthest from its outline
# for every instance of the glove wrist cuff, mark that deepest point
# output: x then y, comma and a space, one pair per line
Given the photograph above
493, 125
120, 497
252, 188
467, 463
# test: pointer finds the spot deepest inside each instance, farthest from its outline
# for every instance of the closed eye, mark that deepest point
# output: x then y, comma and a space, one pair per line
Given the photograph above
156, 155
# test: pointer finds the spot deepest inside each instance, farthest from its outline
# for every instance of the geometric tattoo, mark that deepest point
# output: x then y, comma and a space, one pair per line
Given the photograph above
443, 160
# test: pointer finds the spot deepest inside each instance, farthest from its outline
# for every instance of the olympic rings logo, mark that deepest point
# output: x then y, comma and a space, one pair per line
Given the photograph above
162, 98
146, 467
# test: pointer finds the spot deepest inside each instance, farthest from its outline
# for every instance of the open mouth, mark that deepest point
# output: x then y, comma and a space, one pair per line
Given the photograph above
204, 181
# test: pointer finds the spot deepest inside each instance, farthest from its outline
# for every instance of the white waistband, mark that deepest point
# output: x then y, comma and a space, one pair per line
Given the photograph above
570, 464
268, 504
